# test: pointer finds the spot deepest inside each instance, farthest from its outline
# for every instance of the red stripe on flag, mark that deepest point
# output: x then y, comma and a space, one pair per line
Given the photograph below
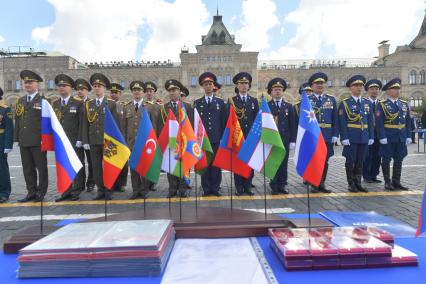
315, 168
63, 180
47, 142
110, 174
147, 154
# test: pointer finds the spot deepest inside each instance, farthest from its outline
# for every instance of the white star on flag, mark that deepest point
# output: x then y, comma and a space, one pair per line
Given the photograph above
311, 115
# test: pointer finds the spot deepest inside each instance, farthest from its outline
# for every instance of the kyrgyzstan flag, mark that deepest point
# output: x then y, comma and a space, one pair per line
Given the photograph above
146, 154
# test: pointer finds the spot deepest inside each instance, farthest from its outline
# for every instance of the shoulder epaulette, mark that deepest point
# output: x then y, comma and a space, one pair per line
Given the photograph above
77, 99
110, 100
3, 105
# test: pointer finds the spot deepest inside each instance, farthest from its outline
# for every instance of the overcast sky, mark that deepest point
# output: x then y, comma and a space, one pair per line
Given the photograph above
105, 30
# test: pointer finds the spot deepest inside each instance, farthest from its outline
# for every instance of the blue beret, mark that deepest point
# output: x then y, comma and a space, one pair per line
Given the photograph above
356, 79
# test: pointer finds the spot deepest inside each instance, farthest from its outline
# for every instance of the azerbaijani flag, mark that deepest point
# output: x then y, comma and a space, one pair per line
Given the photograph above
421, 228
146, 154
187, 150
263, 149
167, 141
310, 153
204, 141
53, 138
229, 146
116, 151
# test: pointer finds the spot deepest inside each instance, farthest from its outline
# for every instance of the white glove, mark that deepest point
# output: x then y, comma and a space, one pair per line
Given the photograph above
86, 147
292, 145
79, 144
333, 139
346, 142
7, 151
407, 141
370, 142
383, 141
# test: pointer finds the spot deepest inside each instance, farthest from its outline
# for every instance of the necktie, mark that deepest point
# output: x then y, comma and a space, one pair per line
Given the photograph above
29, 99
277, 103
98, 102
374, 105
136, 107
174, 106
244, 99
208, 101
396, 104
63, 102
320, 99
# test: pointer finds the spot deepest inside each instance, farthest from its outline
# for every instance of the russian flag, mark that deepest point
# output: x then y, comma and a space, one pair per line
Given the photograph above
311, 152
421, 228
53, 138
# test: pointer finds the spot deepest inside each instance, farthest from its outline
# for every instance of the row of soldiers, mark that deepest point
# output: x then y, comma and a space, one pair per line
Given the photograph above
364, 125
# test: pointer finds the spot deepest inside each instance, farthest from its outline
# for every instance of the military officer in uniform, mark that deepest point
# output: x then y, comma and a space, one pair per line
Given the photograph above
283, 113
6, 146
93, 128
325, 108
28, 135
69, 111
133, 112
83, 88
356, 131
176, 185
153, 106
304, 87
373, 160
246, 108
394, 131
115, 94
216, 89
213, 112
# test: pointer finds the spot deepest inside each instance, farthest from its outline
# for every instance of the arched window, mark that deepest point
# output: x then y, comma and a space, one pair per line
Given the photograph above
412, 77
423, 77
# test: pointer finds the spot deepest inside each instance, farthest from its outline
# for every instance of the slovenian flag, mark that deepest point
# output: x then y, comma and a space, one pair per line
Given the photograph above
204, 141
421, 228
167, 141
310, 153
263, 149
146, 154
116, 151
53, 138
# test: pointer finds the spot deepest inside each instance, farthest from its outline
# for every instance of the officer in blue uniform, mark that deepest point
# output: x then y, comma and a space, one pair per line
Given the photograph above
372, 160
213, 112
356, 131
246, 107
6, 145
394, 131
283, 113
325, 108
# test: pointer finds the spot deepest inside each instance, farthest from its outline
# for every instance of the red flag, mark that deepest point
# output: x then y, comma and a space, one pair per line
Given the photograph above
230, 144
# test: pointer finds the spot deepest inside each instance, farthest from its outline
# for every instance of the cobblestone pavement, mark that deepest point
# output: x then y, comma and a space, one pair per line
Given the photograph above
400, 205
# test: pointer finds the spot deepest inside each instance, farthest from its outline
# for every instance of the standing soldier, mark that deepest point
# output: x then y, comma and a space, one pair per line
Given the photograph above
116, 89
83, 88
93, 129
246, 108
174, 87
213, 113
285, 119
6, 145
69, 113
216, 89
393, 130
304, 87
356, 131
325, 108
28, 135
133, 112
153, 106
373, 160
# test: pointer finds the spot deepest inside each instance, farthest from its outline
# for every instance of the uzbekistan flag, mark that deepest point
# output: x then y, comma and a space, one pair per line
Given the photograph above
146, 154
116, 151
167, 141
230, 144
204, 141
187, 150
263, 149
53, 138
421, 228
310, 153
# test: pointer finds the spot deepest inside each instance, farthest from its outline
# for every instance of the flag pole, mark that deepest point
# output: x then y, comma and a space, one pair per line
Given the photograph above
180, 166
105, 209
230, 173
309, 206
41, 217
264, 175
169, 173
196, 193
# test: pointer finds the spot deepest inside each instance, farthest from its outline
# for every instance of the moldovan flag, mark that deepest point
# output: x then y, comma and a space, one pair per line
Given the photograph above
310, 152
204, 141
230, 144
263, 149
116, 151
146, 154
167, 141
187, 150
53, 138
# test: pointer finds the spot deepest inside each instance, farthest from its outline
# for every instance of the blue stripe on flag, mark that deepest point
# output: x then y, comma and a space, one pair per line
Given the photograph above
308, 145
253, 138
143, 132
61, 156
46, 125
111, 128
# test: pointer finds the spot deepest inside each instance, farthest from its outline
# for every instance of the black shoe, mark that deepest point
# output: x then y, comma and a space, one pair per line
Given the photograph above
27, 198
3, 199
99, 196
205, 194
352, 188
323, 189
39, 198
135, 195
153, 188
367, 180
238, 192
120, 189
249, 192
315, 189
275, 192
252, 186
90, 187
398, 185
62, 198
217, 194
74, 197
388, 186
375, 180
284, 190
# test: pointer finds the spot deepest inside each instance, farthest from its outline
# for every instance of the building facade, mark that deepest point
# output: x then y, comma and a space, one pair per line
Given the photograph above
220, 54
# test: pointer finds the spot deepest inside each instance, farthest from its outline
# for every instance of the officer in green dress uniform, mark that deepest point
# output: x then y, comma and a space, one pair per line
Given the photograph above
6, 144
